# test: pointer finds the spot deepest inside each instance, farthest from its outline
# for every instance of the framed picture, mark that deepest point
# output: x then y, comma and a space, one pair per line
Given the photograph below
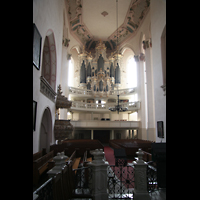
34, 113
37, 41
160, 129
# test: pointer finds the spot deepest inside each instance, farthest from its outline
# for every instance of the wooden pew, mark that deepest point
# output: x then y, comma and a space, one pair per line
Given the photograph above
131, 146
68, 183
74, 160
40, 166
39, 154
147, 156
72, 144
86, 159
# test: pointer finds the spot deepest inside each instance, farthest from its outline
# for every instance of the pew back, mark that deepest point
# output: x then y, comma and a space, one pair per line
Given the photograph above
70, 145
40, 166
131, 146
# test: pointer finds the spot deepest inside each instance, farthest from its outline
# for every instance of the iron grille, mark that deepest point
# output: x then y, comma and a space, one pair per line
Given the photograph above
120, 182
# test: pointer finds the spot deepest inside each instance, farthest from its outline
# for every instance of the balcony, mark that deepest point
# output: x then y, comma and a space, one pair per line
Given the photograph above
94, 124
47, 90
81, 106
89, 93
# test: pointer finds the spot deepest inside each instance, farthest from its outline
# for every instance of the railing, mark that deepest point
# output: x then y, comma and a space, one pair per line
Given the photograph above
151, 178
78, 91
46, 89
120, 182
83, 177
45, 191
93, 106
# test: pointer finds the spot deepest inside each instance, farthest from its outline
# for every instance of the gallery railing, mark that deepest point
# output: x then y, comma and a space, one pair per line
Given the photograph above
81, 105
83, 177
120, 182
78, 91
151, 178
45, 191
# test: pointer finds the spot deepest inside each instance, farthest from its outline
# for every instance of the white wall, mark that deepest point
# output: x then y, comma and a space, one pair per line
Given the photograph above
46, 15
158, 22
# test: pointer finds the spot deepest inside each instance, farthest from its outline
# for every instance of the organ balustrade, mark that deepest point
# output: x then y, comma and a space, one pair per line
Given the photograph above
100, 106
86, 92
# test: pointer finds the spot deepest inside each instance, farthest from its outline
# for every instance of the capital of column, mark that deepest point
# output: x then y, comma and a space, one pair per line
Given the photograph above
147, 44
139, 57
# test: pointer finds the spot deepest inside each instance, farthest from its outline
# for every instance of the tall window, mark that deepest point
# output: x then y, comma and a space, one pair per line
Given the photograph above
71, 73
131, 73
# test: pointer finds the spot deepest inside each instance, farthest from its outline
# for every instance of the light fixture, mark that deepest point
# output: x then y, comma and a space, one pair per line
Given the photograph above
118, 107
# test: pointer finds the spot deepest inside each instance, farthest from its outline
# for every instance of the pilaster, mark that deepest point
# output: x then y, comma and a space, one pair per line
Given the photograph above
147, 44
140, 59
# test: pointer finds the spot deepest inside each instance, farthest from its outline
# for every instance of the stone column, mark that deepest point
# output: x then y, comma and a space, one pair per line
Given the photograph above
112, 137
59, 164
140, 167
99, 176
151, 135
92, 134
140, 59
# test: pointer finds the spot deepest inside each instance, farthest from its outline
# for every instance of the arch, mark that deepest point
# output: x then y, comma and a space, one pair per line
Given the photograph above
46, 130
49, 60
127, 46
77, 47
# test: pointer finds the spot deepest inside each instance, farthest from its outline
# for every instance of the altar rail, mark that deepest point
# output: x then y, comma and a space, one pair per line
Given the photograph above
78, 91
93, 106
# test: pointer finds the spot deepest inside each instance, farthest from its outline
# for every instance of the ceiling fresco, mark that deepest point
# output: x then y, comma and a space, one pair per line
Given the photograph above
91, 20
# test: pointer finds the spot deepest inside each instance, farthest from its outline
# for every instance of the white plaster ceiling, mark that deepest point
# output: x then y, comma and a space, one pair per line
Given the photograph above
99, 26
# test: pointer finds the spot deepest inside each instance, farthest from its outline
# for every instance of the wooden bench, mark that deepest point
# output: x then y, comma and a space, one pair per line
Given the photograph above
86, 159
147, 156
40, 166
81, 145
68, 184
39, 154
74, 161
131, 146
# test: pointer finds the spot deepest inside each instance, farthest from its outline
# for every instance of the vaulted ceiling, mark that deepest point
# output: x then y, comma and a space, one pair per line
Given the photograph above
91, 20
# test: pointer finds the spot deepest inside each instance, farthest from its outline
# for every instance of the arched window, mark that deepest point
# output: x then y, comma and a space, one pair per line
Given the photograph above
71, 73
49, 60
131, 73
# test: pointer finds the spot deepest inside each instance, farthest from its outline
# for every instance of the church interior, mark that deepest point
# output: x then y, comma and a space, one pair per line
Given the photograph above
99, 78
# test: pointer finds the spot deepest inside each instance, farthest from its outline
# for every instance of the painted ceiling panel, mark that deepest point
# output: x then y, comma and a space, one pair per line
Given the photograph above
91, 20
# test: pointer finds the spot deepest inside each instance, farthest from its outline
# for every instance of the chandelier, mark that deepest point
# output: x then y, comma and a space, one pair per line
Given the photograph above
118, 107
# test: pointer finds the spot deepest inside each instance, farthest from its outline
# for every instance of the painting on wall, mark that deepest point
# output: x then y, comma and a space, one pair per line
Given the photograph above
34, 113
37, 41
160, 130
